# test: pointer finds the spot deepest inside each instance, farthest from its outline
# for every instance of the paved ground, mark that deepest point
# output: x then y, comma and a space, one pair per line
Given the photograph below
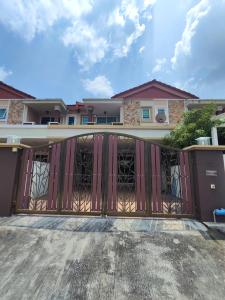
44, 257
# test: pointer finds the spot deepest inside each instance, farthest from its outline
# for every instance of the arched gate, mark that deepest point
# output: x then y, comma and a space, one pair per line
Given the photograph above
105, 173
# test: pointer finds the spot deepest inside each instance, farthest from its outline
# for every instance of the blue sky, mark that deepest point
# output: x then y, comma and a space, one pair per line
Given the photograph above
74, 49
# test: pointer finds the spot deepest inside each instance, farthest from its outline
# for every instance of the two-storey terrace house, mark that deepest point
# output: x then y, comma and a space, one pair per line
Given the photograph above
149, 111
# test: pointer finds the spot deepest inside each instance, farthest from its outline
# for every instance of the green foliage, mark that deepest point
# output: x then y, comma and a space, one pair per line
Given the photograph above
196, 123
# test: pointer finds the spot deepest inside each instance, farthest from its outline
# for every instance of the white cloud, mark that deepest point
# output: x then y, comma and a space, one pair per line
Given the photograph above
124, 49
129, 12
4, 73
194, 15
90, 41
89, 47
116, 18
28, 18
200, 68
149, 2
141, 50
100, 86
159, 65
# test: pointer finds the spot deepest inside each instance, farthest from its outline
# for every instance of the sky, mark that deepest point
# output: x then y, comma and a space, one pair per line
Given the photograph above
74, 49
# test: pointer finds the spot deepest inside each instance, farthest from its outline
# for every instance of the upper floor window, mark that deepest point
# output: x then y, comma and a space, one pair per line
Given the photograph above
161, 111
146, 113
161, 115
71, 120
107, 119
46, 120
84, 120
3, 113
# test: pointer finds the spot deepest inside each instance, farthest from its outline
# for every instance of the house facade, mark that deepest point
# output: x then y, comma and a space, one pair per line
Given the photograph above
149, 111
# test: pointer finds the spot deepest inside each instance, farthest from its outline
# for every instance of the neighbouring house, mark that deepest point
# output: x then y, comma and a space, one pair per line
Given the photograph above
149, 111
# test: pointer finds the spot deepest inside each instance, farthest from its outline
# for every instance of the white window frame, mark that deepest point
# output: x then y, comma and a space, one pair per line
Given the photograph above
67, 120
165, 108
150, 114
6, 114
81, 119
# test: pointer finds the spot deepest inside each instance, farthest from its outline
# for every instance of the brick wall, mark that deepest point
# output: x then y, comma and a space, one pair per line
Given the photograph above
15, 114
131, 110
176, 110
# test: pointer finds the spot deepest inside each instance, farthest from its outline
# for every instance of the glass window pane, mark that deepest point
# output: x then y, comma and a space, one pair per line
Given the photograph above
111, 120
101, 120
2, 113
46, 120
85, 119
161, 110
71, 121
146, 113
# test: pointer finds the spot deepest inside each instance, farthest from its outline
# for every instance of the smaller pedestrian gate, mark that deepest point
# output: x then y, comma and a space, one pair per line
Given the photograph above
105, 173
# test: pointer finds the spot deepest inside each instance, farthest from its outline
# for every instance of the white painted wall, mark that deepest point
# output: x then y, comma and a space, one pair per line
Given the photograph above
42, 131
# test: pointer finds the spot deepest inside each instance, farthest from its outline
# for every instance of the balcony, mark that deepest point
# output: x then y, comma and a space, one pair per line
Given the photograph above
44, 112
47, 121
100, 112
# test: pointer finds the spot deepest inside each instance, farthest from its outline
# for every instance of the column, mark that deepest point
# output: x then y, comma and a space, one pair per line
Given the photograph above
214, 136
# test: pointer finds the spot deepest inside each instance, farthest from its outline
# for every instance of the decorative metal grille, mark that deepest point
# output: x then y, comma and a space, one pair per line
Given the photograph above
35, 180
78, 176
126, 179
40, 180
171, 185
86, 157
83, 174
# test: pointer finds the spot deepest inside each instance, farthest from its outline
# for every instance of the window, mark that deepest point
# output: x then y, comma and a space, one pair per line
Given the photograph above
161, 111
46, 120
84, 120
3, 112
161, 114
107, 119
146, 113
71, 120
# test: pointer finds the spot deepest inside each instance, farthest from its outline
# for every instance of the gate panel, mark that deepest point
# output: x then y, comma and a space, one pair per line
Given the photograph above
39, 179
68, 174
140, 176
82, 188
112, 176
171, 187
54, 177
26, 175
130, 181
185, 183
97, 174
126, 175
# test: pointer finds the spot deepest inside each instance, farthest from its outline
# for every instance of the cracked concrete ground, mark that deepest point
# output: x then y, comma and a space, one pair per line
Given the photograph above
51, 257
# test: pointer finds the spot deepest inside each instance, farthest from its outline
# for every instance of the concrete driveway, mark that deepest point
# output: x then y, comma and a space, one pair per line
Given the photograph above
44, 257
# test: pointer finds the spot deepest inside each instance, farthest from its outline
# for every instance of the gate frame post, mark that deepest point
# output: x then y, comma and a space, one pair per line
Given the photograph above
157, 201
105, 170
148, 177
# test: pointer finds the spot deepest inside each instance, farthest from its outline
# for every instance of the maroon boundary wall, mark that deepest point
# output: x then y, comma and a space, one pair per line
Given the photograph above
9, 159
208, 178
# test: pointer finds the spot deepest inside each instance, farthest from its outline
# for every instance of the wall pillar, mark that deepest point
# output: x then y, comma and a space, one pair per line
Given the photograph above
208, 177
121, 114
214, 135
9, 159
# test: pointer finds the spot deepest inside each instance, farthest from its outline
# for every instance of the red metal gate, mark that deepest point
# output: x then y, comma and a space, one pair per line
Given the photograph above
105, 174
